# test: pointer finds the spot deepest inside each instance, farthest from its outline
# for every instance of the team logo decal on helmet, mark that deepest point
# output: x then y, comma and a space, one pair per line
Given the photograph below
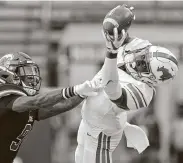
165, 73
152, 64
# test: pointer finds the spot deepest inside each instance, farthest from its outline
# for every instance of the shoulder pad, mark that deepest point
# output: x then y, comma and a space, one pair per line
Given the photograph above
8, 89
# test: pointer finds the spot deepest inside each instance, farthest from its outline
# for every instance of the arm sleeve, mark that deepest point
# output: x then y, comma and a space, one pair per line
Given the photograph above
61, 107
6, 103
134, 96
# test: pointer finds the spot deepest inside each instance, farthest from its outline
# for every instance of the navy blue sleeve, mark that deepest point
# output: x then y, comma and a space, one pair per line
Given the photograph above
6, 103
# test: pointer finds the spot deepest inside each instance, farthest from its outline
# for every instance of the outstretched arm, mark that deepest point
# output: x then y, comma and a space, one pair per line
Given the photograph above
110, 76
51, 98
63, 106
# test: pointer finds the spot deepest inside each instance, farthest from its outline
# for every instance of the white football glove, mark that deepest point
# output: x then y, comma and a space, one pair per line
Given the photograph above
88, 88
115, 41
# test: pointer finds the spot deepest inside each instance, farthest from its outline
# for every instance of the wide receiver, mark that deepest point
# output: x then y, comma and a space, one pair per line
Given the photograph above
131, 69
21, 103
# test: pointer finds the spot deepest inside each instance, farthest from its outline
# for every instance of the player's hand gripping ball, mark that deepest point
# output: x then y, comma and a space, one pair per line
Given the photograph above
116, 23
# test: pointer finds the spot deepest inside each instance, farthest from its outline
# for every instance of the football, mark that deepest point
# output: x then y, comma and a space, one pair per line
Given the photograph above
120, 17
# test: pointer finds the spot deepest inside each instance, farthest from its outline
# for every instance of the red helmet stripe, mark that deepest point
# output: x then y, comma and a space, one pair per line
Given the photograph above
165, 55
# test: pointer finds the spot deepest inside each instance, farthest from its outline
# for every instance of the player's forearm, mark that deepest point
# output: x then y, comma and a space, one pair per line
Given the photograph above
109, 69
43, 100
110, 76
63, 106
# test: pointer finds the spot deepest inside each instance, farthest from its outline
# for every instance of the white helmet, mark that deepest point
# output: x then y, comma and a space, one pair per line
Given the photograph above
153, 64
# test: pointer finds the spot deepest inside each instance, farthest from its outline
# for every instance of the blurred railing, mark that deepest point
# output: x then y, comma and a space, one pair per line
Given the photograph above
21, 22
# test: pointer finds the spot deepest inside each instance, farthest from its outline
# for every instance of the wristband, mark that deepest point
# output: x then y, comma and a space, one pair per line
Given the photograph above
68, 92
111, 55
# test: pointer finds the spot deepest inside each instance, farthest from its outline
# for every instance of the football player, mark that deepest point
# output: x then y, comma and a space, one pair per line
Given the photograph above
131, 69
21, 103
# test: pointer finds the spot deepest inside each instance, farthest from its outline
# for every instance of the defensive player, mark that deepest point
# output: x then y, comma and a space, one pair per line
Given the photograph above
21, 104
131, 69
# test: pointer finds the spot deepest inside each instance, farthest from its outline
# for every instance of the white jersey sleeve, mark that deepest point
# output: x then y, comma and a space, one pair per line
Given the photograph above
135, 96
139, 96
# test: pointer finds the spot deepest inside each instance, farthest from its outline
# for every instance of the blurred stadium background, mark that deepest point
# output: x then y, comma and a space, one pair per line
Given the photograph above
64, 38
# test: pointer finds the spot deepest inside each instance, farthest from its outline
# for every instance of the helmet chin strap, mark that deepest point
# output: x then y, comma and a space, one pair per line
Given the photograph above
28, 89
